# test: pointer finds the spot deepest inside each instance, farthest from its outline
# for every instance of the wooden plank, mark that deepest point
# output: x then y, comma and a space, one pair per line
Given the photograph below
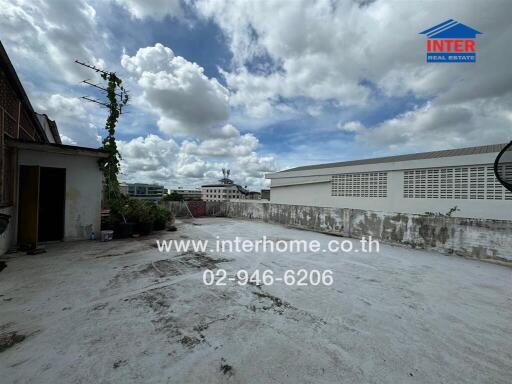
29, 206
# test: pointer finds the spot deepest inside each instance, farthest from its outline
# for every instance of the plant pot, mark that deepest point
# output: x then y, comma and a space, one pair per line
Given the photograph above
159, 225
107, 224
123, 230
144, 229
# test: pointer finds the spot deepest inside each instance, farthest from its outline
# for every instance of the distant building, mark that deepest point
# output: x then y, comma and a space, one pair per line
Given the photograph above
222, 192
123, 188
415, 183
252, 195
188, 194
146, 191
225, 190
265, 194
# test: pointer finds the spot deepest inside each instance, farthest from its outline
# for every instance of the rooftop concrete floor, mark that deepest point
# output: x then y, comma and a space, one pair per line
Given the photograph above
115, 312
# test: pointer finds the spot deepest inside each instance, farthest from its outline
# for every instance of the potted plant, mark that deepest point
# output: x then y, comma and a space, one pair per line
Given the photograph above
118, 218
162, 217
142, 213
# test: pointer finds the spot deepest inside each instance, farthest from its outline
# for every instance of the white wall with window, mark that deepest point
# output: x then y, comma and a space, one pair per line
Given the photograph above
417, 183
221, 192
140, 190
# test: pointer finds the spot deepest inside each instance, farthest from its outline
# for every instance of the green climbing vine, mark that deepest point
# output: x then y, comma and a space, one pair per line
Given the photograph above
117, 99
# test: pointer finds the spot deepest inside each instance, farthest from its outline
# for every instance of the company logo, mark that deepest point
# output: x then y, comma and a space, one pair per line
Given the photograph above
451, 42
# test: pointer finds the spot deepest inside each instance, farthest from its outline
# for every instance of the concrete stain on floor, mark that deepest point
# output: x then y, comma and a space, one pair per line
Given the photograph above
123, 312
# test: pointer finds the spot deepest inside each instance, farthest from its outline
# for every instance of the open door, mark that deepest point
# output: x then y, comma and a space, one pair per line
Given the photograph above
28, 206
52, 196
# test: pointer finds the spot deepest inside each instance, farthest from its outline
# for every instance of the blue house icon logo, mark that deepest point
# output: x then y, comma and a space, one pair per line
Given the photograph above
451, 42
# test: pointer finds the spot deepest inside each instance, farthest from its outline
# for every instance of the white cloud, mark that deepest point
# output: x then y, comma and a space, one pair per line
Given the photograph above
314, 110
51, 34
74, 118
152, 59
230, 144
194, 169
338, 52
187, 102
351, 127
61, 107
154, 159
313, 63
155, 9
66, 140
148, 158
289, 59
439, 126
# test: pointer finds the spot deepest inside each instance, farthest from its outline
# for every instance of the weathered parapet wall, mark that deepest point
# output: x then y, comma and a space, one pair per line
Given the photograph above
476, 238
180, 208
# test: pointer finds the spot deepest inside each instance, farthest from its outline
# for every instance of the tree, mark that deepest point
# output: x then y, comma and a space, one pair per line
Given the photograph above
173, 196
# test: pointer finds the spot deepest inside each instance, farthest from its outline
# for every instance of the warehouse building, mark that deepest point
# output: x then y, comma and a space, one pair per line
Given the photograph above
415, 183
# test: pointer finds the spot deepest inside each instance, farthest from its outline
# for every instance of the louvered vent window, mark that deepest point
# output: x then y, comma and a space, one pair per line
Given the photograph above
473, 183
362, 184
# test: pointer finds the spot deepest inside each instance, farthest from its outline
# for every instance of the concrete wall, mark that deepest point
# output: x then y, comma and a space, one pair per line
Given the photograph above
83, 190
489, 240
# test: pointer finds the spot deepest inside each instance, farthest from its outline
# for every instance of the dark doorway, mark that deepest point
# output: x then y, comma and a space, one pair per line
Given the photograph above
52, 196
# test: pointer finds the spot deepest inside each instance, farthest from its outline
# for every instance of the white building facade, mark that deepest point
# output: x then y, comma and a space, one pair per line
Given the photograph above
224, 190
221, 192
56, 194
146, 191
417, 183
188, 194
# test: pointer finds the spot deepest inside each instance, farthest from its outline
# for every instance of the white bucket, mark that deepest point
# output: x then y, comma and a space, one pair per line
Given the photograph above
107, 235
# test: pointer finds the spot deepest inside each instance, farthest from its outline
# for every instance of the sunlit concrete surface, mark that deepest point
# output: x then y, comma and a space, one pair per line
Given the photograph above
122, 312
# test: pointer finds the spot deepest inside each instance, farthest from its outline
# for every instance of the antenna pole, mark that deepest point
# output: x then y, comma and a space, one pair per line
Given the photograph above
95, 101
97, 86
94, 68
116, 99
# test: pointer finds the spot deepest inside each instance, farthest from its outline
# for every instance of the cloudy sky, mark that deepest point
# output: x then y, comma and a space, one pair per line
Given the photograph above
259, 86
